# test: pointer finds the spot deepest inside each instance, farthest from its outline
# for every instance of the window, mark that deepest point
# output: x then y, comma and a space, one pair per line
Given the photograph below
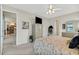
69, 27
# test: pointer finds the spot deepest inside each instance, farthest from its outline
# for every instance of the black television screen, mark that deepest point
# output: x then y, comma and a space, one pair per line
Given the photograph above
38, 20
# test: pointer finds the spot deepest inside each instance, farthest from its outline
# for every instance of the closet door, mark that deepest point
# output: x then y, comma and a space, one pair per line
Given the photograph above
38, 30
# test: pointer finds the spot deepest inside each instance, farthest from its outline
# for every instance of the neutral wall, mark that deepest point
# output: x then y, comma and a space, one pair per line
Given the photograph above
46, 24
22, 35
63, 19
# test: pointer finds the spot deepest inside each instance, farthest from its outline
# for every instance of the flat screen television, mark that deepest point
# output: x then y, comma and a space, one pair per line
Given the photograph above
38, 20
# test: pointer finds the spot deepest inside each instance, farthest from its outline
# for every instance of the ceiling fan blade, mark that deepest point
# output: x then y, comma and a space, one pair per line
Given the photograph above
52, 10
50, 6
57, 9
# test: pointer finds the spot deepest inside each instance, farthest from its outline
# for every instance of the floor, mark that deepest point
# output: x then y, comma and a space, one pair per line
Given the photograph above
25, 49
11, 49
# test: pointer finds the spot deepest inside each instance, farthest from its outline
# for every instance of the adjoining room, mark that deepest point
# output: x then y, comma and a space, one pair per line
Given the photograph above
9, 30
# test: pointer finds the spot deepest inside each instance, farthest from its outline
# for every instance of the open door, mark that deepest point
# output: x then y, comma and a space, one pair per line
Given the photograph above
9, 31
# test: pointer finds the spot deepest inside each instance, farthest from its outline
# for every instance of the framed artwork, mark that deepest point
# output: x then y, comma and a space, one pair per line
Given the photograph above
63, 26
25, 25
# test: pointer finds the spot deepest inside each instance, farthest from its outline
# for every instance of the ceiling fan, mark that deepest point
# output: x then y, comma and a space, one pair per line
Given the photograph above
52, 10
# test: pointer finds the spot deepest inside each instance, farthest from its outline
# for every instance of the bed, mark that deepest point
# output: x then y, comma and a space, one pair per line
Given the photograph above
53, 45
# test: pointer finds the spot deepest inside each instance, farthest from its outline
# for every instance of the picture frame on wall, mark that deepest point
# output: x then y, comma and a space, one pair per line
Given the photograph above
63, 26
25, 25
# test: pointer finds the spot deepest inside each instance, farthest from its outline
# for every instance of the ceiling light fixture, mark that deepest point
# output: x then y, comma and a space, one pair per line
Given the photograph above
51, 9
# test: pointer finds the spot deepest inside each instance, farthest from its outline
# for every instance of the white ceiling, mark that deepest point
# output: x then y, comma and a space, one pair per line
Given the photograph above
41, 9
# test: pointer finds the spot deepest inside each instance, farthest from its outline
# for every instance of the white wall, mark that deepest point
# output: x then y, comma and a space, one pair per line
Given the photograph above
22, 35
63, 19
46, 24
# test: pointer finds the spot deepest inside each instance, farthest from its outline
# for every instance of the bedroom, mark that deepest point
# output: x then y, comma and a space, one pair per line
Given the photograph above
59, 20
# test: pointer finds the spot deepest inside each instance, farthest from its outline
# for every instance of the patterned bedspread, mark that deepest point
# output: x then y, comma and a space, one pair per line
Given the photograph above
53, 45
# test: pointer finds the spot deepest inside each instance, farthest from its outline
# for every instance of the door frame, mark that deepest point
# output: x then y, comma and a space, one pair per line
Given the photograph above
2, 47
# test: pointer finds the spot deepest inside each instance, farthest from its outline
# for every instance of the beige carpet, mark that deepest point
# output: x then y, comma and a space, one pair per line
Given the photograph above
25, 49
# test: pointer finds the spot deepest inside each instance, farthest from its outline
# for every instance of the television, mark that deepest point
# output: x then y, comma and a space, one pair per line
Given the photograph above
38, 20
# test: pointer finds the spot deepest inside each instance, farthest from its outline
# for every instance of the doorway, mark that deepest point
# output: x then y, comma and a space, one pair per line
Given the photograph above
9, 30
